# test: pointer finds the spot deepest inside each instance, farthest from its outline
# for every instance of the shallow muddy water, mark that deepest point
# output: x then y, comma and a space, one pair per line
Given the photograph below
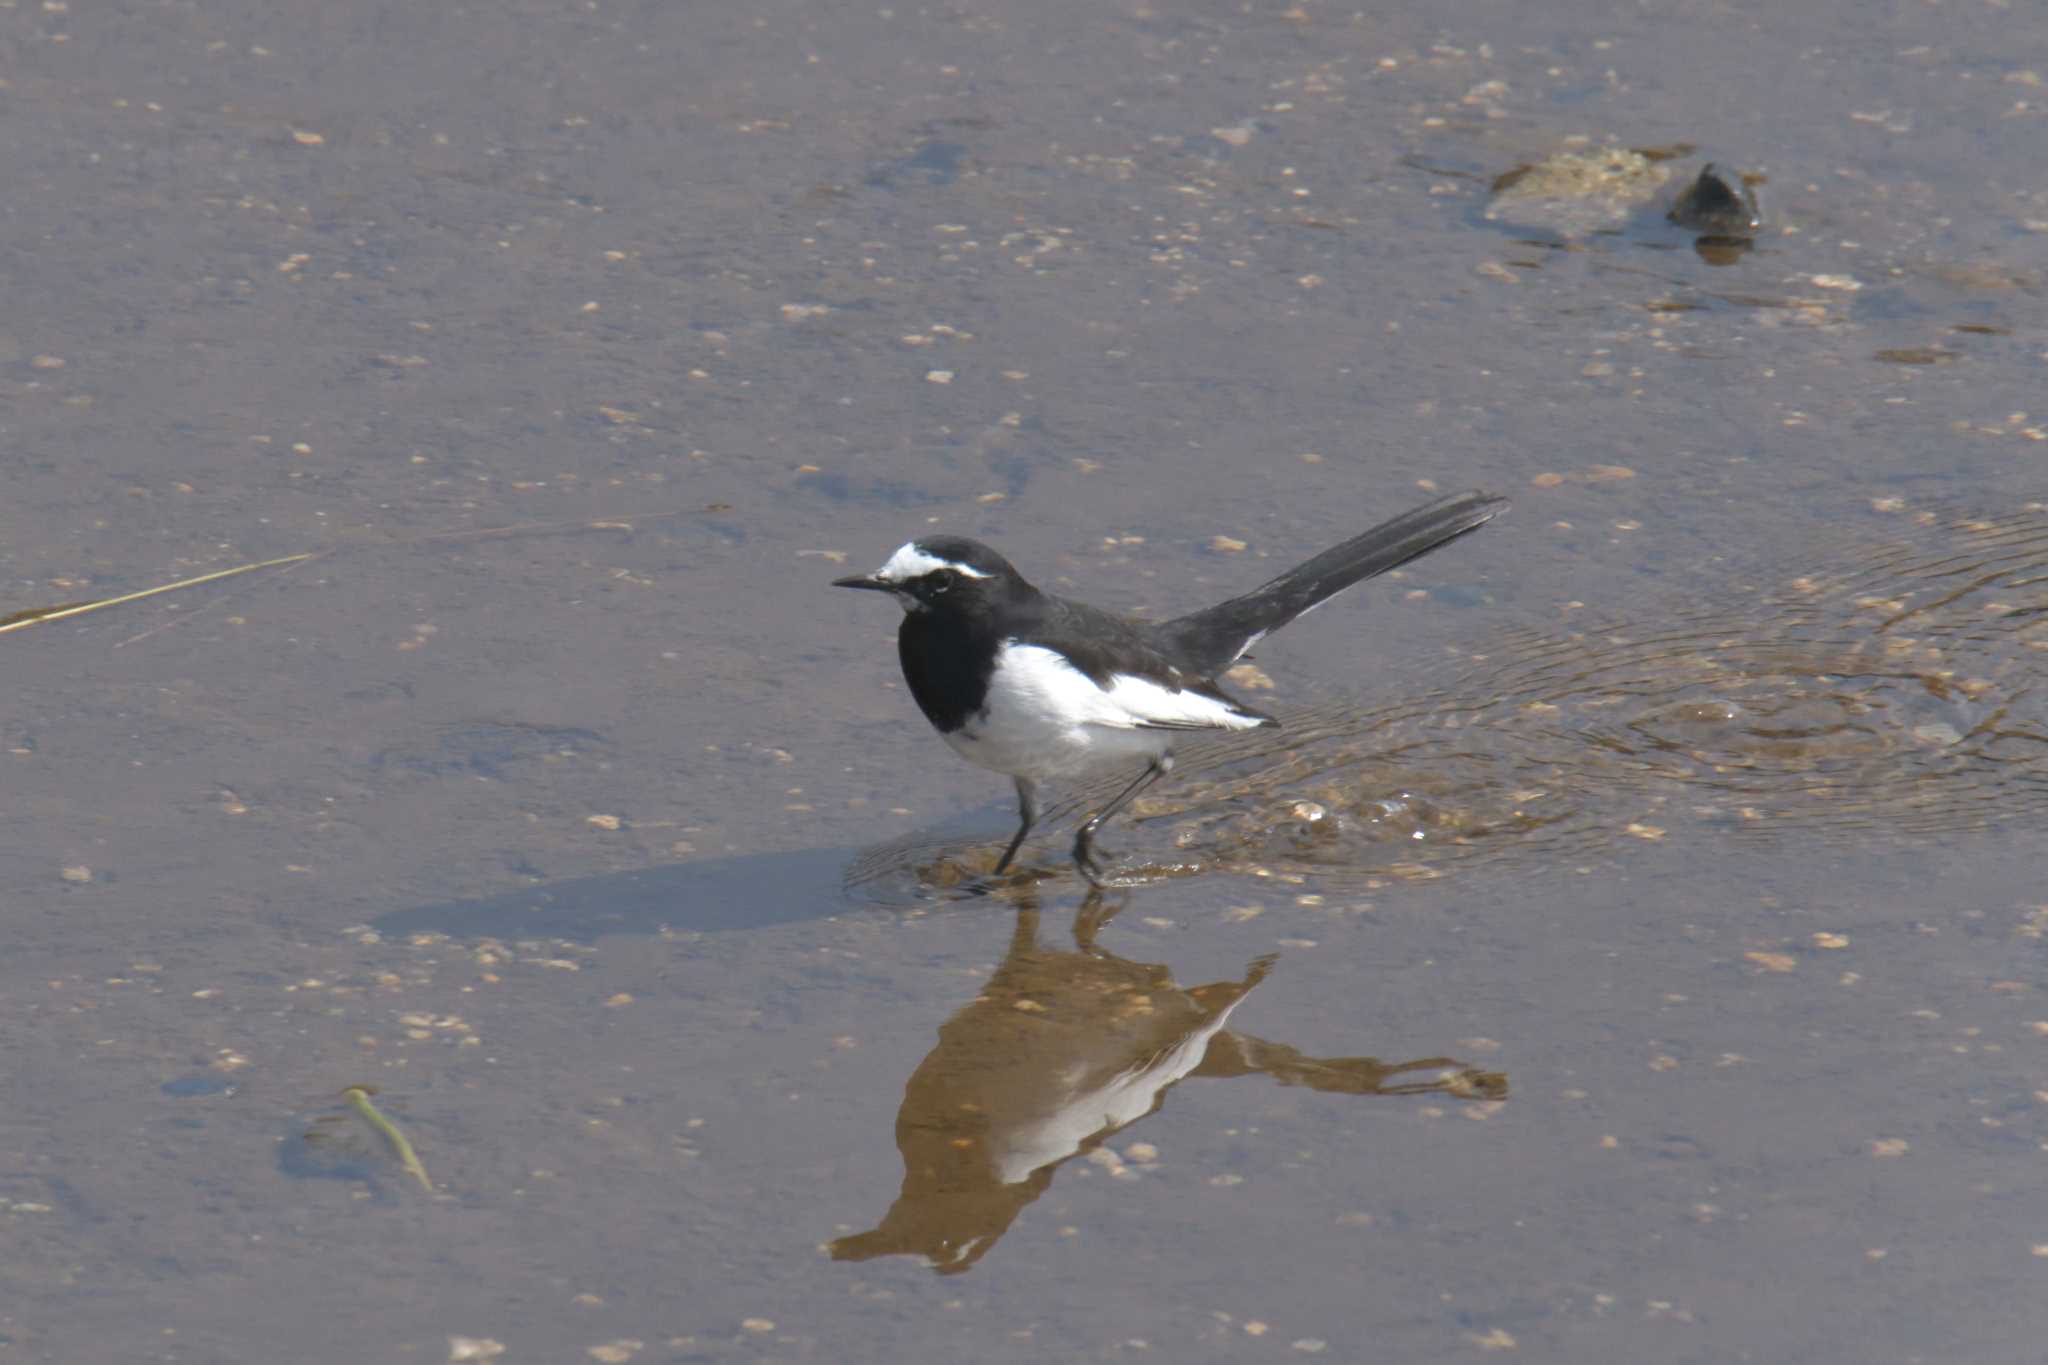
1630, 948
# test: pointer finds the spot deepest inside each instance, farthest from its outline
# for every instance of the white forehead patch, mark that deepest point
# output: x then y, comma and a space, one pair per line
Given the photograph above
911, 562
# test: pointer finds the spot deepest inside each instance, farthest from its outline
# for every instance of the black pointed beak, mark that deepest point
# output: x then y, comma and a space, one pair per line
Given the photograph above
861, 581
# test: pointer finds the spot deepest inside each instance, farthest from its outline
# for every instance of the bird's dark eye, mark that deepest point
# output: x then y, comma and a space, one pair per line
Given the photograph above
938, 580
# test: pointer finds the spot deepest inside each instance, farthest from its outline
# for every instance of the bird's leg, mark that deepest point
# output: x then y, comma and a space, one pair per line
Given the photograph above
1027, 816
1084, 839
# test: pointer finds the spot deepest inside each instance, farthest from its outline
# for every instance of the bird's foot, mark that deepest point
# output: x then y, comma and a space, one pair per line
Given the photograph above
1087, 860
1102, 872
1007, 876
1017, 882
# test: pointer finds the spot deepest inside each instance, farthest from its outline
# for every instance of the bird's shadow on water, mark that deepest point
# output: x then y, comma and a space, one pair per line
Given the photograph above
714, 895
949, 862
711, 895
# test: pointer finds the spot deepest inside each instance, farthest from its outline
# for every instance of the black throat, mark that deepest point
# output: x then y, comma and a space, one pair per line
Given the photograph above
948, 659
949, 650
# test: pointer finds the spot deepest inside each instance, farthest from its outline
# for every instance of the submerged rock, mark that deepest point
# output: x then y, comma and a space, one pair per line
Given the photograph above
1574, 194
1718, 204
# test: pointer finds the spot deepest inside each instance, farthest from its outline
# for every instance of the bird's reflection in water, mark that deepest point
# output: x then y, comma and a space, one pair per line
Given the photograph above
1062, 1049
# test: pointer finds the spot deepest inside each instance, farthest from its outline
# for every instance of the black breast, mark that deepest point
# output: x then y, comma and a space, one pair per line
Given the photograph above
947, 660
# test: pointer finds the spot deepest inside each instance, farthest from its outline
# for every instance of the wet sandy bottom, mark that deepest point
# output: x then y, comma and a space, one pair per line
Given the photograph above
587, 347
1704, 1084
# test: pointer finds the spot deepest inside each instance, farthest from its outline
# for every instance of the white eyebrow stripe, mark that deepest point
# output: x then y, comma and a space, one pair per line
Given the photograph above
911, 562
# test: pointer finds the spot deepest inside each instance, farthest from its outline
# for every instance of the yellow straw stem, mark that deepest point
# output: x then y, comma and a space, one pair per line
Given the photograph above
24, 619
358, 1098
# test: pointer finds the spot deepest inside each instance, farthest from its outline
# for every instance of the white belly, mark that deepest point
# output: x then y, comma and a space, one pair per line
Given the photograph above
1043, 718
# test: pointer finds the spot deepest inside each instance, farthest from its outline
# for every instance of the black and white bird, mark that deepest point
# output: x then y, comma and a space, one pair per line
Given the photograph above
1045, 689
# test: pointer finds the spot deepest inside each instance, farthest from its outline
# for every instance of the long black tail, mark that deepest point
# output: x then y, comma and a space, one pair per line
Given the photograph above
1206, 642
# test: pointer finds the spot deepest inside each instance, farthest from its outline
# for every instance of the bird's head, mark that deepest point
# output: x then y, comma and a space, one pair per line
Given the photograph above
940, 573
